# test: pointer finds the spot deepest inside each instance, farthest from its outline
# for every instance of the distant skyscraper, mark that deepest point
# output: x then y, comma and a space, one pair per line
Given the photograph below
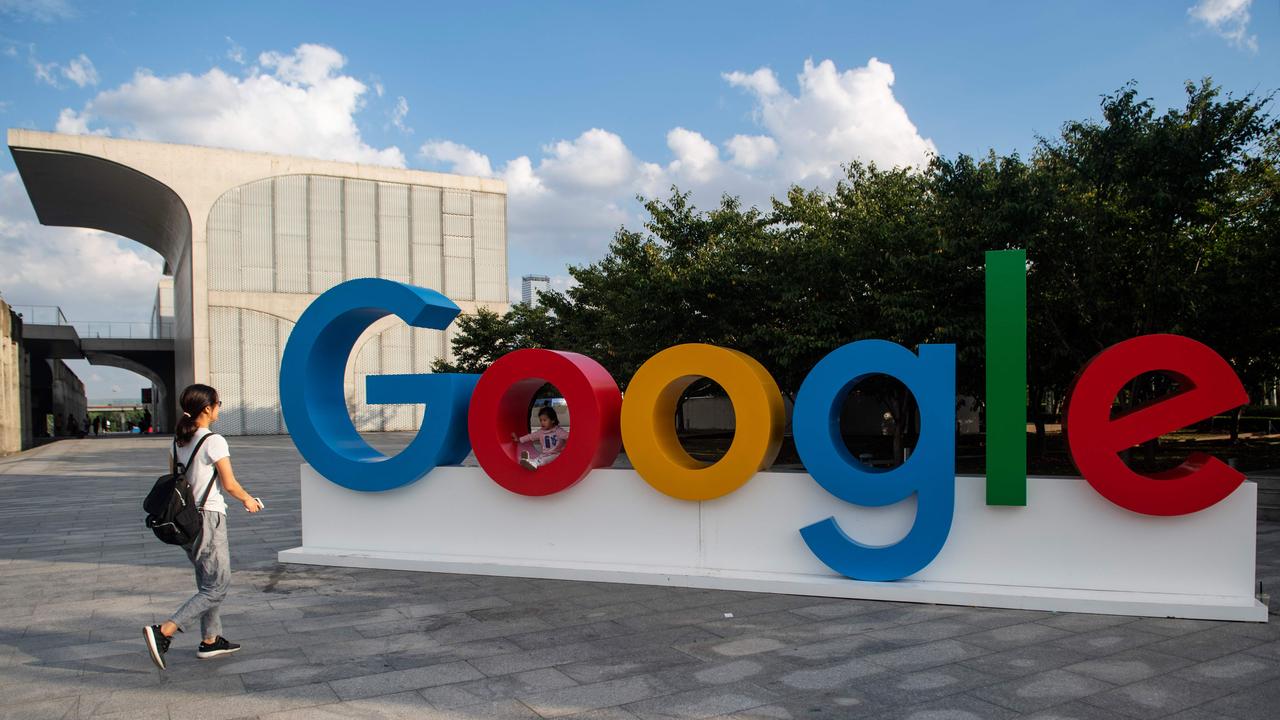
530, 285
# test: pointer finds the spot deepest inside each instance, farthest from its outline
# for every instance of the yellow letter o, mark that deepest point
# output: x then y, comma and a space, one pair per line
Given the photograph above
648, 420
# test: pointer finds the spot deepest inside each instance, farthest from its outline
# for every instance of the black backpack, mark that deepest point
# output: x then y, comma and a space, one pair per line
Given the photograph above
172, 513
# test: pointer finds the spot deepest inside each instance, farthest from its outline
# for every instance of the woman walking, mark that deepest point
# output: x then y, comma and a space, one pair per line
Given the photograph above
209, 553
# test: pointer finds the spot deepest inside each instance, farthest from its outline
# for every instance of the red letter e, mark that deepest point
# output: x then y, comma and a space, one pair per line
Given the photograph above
1207, 386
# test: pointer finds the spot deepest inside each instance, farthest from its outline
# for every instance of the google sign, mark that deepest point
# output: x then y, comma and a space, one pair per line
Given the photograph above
1176, 543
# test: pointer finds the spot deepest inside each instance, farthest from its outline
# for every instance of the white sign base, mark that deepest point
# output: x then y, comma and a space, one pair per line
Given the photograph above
1068, 550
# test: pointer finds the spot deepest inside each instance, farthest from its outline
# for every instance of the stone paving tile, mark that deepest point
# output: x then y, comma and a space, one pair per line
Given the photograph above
1129, 666
924, 685
825, 677
1202, 713
738, 626
1077, 711
755, 670
582, 698
398, 680
1157, 697
919, 657
504, 687
859, 645
40, 709
1256, 703
611, 713
643, 661
1040, 691
564, 635
960, 707
398, 706
1008, 637
833, 609
348, 642
1206, 645
262, 703
1027, 660
308, 673
703, 703
847, 703
940, 629
1110, 640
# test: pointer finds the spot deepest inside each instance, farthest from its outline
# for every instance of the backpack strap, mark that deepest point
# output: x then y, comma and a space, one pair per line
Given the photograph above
183, 468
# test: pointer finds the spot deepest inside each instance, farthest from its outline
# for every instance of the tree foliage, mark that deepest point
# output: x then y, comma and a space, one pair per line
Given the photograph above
1134, 223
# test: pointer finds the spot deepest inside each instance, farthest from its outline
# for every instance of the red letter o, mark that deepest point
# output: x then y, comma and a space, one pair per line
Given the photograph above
500, 405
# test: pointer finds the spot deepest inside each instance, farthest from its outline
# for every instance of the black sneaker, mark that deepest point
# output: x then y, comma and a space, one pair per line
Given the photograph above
220, 646
157, 644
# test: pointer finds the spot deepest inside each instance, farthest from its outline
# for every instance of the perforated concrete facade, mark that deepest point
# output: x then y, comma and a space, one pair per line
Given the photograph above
267, 234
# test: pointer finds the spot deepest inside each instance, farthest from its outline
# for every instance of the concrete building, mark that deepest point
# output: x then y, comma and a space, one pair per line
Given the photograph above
15, 379
531, 285
250, 239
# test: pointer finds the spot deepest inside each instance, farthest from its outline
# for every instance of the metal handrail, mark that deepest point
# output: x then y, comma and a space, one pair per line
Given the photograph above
53, 315
41, 314
112, 329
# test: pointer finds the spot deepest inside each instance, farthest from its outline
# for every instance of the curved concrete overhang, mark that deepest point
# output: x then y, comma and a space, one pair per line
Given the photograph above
74, 190
119, 361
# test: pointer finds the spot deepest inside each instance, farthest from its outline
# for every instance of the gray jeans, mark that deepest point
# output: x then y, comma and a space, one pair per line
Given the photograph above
212, 559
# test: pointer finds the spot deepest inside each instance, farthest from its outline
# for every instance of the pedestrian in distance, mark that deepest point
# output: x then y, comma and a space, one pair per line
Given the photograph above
209, 553
548, 440
97, 425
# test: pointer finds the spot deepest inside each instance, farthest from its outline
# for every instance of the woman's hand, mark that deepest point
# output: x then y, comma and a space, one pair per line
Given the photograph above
253, 505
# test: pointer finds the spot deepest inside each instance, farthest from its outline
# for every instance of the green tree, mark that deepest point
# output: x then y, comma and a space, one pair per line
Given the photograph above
486, 336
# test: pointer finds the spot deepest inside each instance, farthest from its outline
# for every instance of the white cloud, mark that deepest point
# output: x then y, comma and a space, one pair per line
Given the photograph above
296, 103
460, 158
398, 114
596, 159
837, 117
566, 200
569, 201
81, 71
46, 73
697, 160
1228, 18
78, 70
235, 51
93, 275
762, 82
752, 151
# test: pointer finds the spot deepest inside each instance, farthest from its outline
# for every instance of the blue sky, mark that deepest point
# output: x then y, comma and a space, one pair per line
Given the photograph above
579, 106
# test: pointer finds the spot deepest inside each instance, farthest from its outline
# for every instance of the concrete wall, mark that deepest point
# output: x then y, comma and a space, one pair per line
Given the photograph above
162, 309
15, 428
68, 395
183, 330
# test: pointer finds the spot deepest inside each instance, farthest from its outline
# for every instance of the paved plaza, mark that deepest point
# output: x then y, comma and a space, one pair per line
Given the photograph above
80, 576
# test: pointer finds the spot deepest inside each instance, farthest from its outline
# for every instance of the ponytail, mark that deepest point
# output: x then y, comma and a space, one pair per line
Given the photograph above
193, 402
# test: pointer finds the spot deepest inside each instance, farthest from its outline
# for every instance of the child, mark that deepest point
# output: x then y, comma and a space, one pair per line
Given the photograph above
548, 439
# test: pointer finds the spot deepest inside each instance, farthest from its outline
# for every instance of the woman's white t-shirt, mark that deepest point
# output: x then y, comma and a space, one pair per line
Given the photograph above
200, 472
